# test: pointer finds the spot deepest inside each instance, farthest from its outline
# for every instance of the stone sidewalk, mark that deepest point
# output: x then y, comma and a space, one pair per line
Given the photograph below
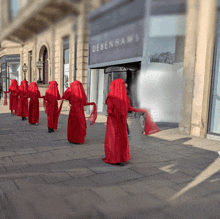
43, 176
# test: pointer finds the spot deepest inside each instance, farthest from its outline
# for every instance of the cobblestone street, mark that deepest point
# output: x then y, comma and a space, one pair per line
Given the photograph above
43, 176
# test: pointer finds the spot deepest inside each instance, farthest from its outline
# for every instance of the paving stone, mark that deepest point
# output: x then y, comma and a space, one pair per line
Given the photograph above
8, 186
104, 169
109, 193
96, 153
146, 170
82, 182
25, 151
79, 172
34, 171
115, 177
55, 177
29, 182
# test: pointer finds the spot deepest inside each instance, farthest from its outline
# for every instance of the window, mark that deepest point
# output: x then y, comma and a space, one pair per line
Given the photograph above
65, 63
30, 65
14, 8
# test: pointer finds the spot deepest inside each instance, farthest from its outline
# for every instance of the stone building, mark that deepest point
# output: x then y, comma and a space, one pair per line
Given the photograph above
54, 31
171, 49
167, 51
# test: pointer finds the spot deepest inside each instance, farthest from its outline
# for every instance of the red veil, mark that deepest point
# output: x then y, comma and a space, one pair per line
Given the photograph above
118, 94
33, 90
12, 87
23, 88
52, 95
78, 94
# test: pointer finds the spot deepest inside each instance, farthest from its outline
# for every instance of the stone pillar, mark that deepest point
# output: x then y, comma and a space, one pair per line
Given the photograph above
189, 64
203, 67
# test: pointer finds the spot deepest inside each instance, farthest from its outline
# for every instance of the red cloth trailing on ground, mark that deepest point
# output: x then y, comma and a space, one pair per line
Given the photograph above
13, 89
116, 137
76, 130
51, 105
33, 94
22, 110
150, 125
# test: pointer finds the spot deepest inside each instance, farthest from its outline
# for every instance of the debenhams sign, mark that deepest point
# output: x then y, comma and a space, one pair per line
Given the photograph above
124, 42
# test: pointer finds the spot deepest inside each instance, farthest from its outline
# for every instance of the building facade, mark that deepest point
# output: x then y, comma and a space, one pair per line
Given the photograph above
52, 31
168, 51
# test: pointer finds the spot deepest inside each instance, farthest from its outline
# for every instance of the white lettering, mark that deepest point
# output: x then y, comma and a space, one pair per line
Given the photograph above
117, 42
123, 41
136, 37
97, 47
111, 44
106, 45
93, 48
130, 39
101, 46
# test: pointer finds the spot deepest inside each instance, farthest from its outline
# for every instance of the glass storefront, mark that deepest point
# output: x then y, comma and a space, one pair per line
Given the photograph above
65, 63
161, 85
10, 69
214, 112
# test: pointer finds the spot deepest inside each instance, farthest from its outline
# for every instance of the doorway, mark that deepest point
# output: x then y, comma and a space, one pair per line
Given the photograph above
45, 66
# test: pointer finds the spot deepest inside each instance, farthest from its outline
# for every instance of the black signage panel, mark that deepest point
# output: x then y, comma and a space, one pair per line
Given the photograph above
114, 14
124, 42
10, 58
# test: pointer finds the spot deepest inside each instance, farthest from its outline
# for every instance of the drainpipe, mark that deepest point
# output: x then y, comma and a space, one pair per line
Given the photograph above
75, 49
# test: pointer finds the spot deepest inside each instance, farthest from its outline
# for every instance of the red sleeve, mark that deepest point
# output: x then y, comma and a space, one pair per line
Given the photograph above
130, 108
66, 95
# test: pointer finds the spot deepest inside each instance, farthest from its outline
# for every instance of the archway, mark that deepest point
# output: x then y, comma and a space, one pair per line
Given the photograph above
44, 57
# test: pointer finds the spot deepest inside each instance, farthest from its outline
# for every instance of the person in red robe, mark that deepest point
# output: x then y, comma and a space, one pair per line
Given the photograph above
13, 102
22, 110
76, 130
33, 94
116, 137
51, 106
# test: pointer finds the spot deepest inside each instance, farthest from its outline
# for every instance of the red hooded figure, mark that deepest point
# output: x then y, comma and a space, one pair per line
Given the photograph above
22, 110
51, 106
33, 94
76, 130
116, 137
13, 89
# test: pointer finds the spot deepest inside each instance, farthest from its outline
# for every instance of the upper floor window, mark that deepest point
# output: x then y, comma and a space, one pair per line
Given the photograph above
14, 8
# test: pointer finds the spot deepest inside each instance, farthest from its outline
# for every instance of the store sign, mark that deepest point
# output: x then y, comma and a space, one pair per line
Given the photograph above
120, 43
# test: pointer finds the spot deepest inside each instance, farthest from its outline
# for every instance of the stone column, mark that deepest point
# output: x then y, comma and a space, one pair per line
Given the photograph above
203, 66
189, 64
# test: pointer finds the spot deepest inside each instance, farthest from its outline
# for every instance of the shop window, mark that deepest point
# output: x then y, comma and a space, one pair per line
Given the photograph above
163, 84
65, 63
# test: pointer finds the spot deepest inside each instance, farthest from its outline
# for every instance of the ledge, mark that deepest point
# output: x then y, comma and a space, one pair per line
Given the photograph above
37, 16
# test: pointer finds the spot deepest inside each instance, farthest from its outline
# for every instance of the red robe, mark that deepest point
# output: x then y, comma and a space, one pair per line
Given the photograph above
22, 110
13, 102
116, 137
51, 105
76, 130
33, 94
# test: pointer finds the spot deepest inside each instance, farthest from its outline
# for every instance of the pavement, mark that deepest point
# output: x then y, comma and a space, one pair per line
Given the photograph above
43, 176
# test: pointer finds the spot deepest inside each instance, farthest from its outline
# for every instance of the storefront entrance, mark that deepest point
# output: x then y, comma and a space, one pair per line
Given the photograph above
10, 69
